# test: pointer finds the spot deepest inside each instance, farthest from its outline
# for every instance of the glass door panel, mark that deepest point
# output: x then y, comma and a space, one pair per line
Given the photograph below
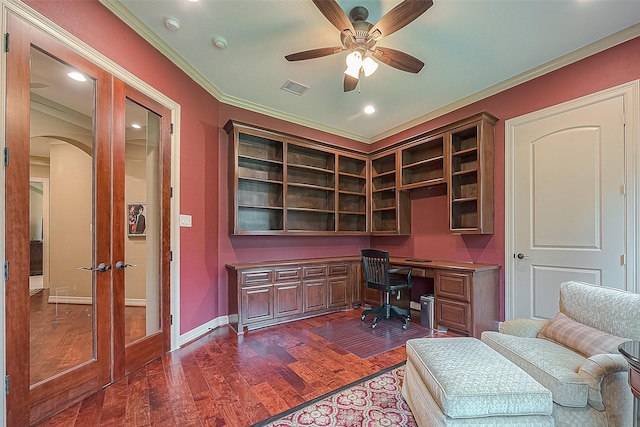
143, 232
62, 311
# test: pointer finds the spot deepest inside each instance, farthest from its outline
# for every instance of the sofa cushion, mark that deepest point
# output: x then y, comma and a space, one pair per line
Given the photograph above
610, 310
552, 365
467, 379
581, 338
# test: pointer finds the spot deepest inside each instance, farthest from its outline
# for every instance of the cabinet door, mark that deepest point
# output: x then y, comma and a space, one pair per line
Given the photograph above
257, 304
338, 295
315, 295
453, 285
287, 299
453, 314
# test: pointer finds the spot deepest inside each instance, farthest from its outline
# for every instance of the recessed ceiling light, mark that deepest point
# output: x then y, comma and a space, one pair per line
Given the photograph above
75, 75
369, 109
136, 126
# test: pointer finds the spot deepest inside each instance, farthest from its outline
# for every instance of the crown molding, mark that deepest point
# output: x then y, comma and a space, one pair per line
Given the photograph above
575, 56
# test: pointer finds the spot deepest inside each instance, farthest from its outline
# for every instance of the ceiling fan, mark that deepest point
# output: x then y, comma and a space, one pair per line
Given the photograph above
360, 37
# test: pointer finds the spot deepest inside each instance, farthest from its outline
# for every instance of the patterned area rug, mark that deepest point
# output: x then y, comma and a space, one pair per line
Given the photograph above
373, 402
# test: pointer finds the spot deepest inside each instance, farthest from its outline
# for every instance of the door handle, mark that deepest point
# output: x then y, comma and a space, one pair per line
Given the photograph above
122, 265
522, 256
102, 267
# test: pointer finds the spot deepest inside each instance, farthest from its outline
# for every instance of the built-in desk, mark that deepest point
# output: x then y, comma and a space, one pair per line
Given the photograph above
268, 293
467, 295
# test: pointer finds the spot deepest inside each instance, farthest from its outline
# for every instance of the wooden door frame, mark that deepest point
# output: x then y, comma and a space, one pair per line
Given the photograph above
68, 40
128, 357
42, 398
631, 97
72, 42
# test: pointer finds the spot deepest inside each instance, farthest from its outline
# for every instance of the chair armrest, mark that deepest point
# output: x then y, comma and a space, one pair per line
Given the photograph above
401, 269
398, 272
528, 328
593, 371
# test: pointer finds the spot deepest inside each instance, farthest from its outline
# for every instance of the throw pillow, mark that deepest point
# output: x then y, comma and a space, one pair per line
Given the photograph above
581, 338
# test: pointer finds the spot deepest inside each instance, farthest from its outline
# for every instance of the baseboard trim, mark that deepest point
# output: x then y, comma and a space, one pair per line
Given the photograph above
202, 330
60, 299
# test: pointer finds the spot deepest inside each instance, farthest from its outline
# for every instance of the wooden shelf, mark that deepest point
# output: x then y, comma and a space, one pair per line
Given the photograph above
259, 180
423, 163
310, 186
259, 147
310, 158
311, 168
287, 184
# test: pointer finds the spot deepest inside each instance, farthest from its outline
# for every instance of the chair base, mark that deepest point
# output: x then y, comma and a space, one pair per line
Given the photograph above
387, 311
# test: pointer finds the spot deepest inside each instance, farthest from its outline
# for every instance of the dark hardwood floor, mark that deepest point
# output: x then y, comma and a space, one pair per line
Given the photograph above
61, 334
223, 379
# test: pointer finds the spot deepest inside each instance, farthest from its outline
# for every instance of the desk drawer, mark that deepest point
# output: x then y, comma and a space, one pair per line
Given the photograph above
256, 277
314, 271
338, 269
453, 314
287, 275
453, 285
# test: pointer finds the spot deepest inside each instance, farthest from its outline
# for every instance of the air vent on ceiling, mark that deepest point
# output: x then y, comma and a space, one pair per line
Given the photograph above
294, 87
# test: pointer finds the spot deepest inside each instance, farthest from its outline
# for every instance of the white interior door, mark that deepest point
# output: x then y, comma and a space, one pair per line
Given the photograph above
568, 216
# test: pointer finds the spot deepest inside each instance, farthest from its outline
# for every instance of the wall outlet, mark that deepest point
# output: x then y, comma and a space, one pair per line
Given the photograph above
414, 305
185, 220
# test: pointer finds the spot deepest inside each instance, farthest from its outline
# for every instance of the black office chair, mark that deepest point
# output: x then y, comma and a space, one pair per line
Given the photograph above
378, 275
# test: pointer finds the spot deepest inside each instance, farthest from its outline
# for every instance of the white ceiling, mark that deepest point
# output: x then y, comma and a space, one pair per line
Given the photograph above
471, 48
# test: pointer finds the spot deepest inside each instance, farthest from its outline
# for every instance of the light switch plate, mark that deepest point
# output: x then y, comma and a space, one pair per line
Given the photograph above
185, 220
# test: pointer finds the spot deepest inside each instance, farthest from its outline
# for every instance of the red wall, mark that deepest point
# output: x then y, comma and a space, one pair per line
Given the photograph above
206, 247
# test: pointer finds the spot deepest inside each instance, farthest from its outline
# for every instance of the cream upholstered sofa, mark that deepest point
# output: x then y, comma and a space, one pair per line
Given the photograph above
575, 355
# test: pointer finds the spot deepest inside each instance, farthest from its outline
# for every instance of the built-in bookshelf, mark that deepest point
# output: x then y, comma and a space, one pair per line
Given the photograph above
471, 177
423, 163
458, 155
285, 184
352, 194
259, 185
389, 205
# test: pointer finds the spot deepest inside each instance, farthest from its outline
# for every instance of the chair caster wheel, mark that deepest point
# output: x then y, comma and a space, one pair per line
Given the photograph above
362, 318
374, 326
405, 326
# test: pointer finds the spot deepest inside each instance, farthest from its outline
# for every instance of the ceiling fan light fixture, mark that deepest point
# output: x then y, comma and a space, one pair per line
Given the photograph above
353, 72
369, 66
354, 60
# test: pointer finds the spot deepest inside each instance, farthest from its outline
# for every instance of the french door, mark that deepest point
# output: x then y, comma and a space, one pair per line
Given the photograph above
101, 306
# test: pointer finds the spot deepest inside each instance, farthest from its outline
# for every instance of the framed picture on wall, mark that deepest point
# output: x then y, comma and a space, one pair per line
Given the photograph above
136, 213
